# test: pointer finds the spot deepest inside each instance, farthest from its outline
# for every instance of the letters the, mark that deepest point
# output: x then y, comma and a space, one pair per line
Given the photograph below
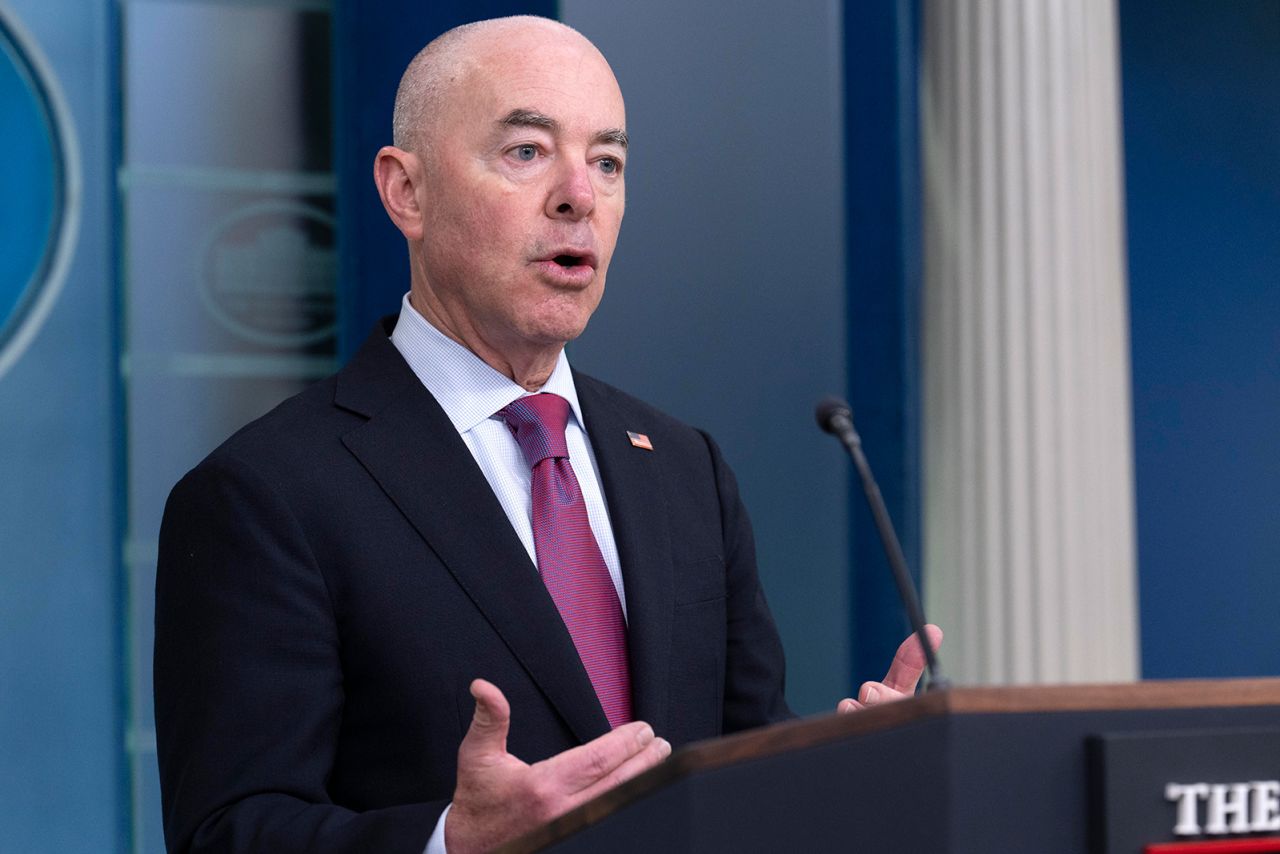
1229, 807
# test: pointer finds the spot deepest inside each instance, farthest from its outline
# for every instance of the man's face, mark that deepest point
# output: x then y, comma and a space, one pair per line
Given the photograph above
523, 193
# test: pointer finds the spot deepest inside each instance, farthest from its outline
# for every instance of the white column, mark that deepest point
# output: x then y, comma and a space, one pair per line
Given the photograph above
1028, 485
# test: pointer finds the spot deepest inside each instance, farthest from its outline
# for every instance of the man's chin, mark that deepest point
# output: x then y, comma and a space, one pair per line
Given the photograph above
555, 336
558, 326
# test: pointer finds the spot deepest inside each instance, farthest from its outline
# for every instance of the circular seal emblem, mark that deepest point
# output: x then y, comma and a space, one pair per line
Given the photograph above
267, 274
41, 179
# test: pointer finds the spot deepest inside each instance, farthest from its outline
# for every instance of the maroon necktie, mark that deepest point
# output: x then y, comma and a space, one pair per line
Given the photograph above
569, 558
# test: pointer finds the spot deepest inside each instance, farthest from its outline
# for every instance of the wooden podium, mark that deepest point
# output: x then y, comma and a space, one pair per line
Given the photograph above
1049, 770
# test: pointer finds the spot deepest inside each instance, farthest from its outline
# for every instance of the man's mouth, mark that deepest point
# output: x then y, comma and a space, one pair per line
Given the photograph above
571, 259
572, 267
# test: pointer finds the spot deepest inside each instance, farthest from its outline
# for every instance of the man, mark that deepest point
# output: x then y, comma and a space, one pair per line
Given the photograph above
378, 604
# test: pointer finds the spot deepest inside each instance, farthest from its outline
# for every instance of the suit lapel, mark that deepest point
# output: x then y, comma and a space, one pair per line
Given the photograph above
632, 483
412, 450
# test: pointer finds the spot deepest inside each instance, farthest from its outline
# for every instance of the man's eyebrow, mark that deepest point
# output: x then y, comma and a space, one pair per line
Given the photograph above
614, 136
528, 118
521, 117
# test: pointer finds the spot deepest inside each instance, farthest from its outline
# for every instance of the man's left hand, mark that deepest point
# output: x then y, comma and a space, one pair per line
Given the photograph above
904, 674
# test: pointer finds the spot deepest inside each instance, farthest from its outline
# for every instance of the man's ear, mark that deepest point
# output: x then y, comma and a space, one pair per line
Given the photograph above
397, 174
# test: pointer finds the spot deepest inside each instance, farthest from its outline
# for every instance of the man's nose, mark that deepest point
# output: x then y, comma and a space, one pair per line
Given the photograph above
573, 196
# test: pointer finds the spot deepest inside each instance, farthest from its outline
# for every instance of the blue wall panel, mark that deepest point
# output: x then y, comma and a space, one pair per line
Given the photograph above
882, 200
1202, 137
61, 691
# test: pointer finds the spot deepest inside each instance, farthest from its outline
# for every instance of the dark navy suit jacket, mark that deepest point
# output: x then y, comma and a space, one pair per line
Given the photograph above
333, 577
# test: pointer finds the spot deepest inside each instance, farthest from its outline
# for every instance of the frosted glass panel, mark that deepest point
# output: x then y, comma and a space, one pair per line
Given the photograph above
229, 265
231, 85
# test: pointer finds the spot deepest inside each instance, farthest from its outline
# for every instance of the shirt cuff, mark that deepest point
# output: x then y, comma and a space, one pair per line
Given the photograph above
435, 845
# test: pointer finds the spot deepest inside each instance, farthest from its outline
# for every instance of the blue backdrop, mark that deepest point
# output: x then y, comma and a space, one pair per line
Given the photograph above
1202, 142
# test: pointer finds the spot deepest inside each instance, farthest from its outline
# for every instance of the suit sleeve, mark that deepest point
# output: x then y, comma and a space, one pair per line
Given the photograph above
755, 668
249, 683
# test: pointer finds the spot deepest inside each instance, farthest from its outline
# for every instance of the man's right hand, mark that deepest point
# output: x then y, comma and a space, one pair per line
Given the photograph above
499, 797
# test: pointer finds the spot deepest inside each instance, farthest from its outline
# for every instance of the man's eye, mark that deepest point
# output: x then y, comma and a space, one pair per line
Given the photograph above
525, 152
609, 166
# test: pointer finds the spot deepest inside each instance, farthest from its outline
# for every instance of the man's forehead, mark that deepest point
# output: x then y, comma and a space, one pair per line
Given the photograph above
545, 78
555, 54
553, 60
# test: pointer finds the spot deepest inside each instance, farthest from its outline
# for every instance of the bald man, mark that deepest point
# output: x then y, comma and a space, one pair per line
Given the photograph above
365, 640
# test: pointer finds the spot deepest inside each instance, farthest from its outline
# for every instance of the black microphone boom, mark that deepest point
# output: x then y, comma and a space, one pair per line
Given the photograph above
835, 417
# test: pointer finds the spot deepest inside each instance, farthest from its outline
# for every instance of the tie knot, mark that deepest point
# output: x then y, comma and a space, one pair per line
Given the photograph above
538, 422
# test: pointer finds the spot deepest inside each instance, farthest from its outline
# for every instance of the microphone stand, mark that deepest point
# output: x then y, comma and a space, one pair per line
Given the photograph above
835, 417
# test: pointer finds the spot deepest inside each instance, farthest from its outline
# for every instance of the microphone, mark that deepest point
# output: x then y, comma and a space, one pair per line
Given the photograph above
835, 417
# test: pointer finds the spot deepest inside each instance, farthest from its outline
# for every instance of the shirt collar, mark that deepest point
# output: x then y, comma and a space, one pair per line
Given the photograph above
467, 389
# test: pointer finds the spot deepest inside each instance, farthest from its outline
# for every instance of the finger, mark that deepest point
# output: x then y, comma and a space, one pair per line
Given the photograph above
653, 754
580, 767
875, 693
908, 663
848, 704
489, 723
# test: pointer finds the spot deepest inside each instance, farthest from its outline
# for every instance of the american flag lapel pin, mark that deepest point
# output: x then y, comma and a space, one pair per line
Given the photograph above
640, 440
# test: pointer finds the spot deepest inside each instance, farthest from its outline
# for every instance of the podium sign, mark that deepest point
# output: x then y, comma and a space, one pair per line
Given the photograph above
1196, 791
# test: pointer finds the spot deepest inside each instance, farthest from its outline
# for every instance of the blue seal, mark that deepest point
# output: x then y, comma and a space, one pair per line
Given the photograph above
39, 172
